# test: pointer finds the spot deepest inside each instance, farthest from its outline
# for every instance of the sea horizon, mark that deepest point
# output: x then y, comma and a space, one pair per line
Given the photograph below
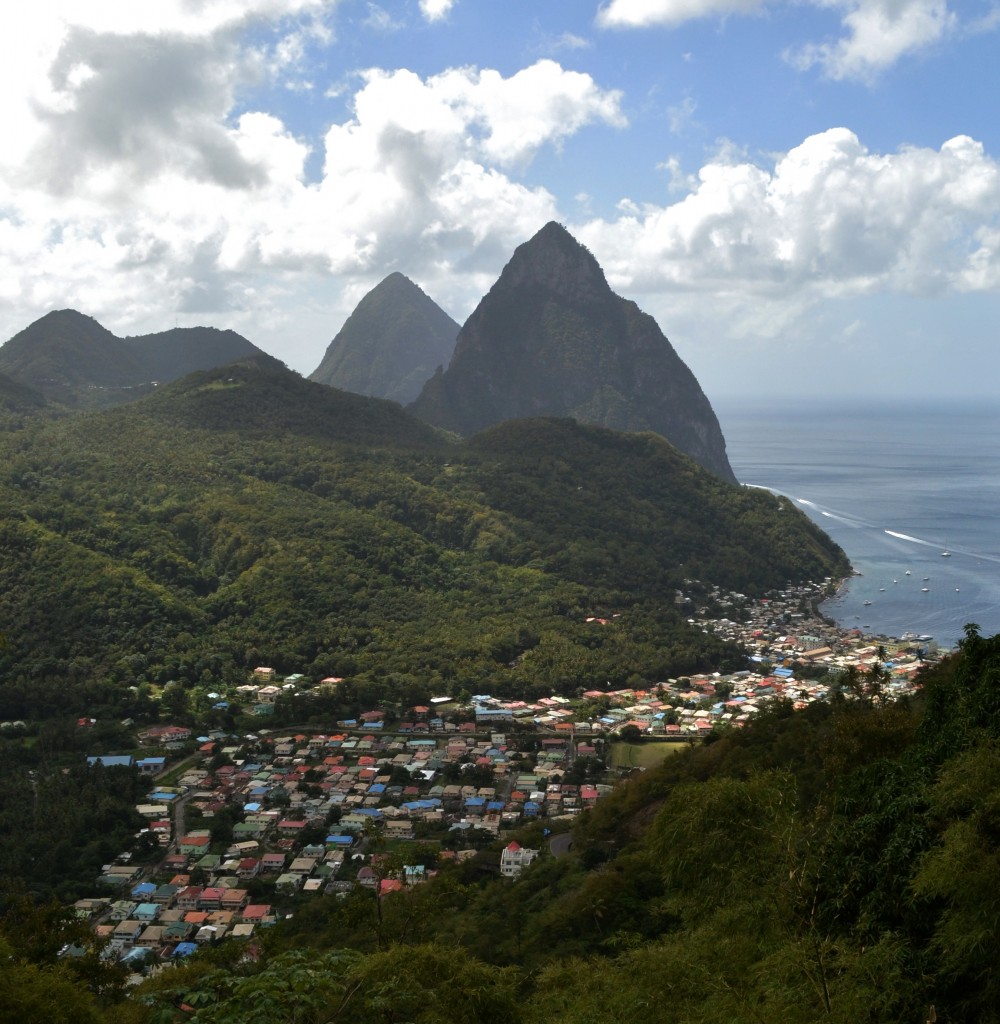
910, 491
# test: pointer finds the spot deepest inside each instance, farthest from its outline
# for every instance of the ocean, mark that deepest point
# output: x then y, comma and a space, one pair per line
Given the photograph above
910, 491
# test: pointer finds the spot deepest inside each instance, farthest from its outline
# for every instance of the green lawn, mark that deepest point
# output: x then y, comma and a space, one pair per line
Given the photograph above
643, 755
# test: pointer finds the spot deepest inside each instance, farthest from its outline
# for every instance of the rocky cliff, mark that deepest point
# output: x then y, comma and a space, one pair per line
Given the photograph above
552, 339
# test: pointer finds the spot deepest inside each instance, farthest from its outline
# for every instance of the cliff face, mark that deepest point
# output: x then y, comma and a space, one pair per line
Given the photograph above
390, 344
551, 339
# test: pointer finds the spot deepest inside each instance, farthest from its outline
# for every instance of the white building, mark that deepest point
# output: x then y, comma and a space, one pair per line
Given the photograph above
515, 857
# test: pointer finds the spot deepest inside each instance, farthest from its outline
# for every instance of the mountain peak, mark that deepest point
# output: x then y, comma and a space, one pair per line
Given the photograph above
71, 317
553, 258
552, 339
390, 344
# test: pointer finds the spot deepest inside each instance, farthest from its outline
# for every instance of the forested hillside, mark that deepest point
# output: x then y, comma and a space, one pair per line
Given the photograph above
245, 516
838, 864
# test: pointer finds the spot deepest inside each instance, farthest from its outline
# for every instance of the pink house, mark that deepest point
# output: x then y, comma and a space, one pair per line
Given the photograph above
211, 898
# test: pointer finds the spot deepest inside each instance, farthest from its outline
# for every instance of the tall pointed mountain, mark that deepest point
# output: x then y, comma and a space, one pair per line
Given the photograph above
552, 339
392, 342
71, 359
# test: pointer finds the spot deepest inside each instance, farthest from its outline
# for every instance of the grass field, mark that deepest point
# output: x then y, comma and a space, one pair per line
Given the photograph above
643, 755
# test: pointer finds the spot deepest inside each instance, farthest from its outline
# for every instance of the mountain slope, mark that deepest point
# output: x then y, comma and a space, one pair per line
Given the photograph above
246, 516
551, 339
17, 397
260, 396
391, 344
71, 359
170, 355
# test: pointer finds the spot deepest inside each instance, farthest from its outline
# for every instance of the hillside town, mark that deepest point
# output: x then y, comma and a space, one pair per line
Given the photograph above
240, 827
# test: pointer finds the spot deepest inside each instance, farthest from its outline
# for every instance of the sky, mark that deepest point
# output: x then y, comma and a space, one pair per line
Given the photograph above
806, 195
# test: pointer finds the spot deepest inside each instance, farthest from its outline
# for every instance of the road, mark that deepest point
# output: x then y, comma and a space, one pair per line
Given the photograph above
559, 845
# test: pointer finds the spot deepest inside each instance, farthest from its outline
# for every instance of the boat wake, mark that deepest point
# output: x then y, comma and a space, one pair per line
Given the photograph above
857, 522
840, 517
944, 551
912, 540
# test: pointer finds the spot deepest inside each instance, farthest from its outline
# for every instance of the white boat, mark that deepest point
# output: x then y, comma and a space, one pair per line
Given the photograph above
946, 554
907, 573
925, 590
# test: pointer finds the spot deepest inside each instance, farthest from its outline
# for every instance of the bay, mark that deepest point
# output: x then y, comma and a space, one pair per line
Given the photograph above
896, 485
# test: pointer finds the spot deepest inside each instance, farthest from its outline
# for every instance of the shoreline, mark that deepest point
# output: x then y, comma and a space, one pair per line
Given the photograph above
790, 628
913, 631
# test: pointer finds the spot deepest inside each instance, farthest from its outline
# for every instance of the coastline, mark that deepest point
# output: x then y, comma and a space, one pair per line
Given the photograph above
793, 631
895, 485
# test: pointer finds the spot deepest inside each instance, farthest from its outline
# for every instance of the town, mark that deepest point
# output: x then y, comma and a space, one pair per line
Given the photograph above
240, 827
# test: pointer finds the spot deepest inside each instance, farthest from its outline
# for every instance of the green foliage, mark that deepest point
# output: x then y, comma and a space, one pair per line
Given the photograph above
62, 823
838, 864
31, 993
833, 864
418, 984
246, 516
828, 864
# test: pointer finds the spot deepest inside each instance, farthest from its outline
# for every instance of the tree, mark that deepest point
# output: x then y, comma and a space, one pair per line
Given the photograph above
30, 992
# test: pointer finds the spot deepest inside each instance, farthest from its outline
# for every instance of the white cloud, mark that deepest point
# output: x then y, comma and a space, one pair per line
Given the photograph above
146, 103
646, 13
478, 112
140, 199
114, 73
571, 41
435, 10
829, 220
879, 33
381, 20
202, 17
680, 114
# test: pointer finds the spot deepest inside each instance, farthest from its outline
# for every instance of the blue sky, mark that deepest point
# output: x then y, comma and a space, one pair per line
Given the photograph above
805, 195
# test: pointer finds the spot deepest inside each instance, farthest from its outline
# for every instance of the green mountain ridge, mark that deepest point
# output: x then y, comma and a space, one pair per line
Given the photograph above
245, 515
73, 361
261, 396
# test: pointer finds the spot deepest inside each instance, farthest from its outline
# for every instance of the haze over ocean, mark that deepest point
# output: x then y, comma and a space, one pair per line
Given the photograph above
895, 485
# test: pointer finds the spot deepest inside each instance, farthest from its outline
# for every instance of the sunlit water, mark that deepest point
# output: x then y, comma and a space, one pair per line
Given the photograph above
896, 486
